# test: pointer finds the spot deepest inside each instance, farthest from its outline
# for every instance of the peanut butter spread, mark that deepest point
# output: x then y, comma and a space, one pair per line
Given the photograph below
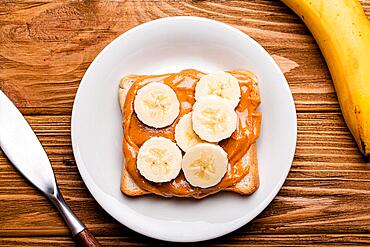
183, 83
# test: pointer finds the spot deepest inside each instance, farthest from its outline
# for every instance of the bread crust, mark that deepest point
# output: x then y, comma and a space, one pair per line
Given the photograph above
246, 186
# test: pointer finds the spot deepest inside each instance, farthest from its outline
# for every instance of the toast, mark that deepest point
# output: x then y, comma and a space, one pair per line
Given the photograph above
247, 185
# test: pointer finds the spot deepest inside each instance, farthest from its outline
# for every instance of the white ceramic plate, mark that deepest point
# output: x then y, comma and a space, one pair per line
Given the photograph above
170, 45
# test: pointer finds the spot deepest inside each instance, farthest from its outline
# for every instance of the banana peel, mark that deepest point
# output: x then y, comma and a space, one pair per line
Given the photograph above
342, 31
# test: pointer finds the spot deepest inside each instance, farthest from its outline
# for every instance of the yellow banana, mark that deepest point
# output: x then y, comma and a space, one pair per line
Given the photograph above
342, 32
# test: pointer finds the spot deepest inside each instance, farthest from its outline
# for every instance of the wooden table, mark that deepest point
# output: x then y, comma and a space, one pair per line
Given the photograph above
46, 47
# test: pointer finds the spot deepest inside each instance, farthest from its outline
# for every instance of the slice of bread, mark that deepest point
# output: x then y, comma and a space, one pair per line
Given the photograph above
246, 186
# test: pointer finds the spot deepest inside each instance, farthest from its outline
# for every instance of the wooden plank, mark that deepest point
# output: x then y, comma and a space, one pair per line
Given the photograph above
46, 46
298, 209
327, 189
232, 240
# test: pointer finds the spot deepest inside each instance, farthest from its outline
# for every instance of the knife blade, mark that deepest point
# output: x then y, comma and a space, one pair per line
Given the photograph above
22, 147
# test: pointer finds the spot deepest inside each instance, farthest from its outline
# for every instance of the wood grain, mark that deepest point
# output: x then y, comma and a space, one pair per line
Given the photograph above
327, 190
38, 75
45, 48
246, 240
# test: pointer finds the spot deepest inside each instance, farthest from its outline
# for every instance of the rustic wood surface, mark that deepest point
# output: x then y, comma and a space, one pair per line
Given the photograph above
47, 45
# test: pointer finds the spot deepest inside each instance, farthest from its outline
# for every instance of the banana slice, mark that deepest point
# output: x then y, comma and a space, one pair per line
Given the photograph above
184, 134
156, 105
159, 160
213, 118
221, 84
204, 165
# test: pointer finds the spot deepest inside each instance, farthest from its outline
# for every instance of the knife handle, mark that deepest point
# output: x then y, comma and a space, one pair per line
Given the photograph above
86, 239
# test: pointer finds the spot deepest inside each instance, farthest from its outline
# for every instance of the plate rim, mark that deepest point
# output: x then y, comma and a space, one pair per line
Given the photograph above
93, 189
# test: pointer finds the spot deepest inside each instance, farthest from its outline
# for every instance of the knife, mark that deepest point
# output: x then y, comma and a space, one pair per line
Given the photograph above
24, 150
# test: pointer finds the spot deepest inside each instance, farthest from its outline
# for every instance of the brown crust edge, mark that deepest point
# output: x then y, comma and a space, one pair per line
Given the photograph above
127, 188
252, 175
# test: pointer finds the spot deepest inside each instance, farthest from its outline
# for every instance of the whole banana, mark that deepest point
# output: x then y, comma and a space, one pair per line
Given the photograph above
342, 32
